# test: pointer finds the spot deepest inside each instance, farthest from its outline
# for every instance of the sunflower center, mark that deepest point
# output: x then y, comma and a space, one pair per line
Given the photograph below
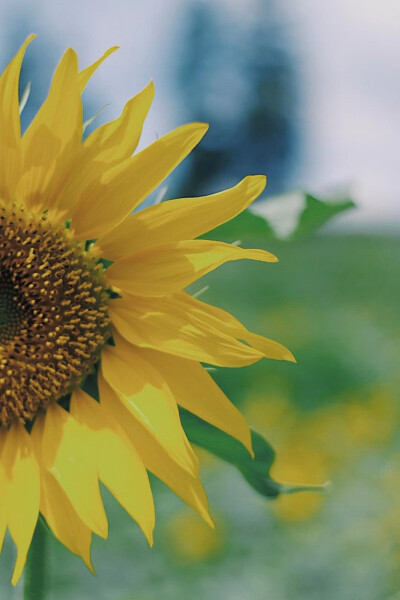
53, 313
11, 307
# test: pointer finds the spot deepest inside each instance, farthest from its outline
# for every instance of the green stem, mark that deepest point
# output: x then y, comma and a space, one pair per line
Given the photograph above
294, 488
35, 568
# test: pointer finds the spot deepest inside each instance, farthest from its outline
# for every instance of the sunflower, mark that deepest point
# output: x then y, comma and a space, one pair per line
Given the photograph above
91, 289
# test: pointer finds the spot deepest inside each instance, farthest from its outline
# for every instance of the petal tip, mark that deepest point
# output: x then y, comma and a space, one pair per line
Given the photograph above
19, 568
287, 355
291, 358
261, 183
30, 38
258, 182
88, 562
199, 128
249, 447
207, 518
150, 538
103, 529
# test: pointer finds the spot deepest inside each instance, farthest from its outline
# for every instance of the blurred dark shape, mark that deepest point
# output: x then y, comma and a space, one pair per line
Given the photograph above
239, 76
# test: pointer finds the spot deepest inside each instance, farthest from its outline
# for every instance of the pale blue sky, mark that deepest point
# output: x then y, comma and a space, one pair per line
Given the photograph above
348, 56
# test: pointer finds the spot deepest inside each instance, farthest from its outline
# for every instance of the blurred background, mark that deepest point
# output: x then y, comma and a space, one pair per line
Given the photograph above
307, 92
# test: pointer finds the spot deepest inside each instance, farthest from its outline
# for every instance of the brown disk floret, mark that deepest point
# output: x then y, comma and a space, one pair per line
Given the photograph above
53, 313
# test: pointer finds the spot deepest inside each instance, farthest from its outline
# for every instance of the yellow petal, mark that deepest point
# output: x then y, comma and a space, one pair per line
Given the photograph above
195, 390
182, 219
87, 73
56, 508
105, 147
162, 324
144, 392
120, 468
51, 141
21, 479
227, 324
3, 516
10, 127
121, 189
154, 457
118, 140
165, 269
67, 454
63, 520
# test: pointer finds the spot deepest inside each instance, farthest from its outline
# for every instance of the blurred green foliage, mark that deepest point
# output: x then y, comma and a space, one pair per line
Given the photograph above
317, 213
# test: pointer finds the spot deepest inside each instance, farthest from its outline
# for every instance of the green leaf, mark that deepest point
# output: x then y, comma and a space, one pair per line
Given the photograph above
255, 470
254, 224
316, 213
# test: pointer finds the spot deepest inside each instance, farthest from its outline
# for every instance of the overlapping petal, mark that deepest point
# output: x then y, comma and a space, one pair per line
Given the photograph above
195, 390
165, 269
121, 189
146, 395
3, 515
106, 147
51, 141
117, 140
162, 324
10, 143
154, 456
20, 497
119, 466
175, 220
63, 520
66, 453
229, 325
57, 509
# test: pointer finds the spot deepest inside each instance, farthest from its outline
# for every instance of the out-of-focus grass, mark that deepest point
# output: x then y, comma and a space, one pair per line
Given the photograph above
334, 301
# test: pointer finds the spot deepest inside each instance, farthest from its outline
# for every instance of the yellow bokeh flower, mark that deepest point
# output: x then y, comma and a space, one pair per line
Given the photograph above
191, 541
88, 287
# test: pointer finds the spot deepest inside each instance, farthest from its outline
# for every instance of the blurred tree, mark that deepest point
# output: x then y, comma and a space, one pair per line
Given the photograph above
237, 72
